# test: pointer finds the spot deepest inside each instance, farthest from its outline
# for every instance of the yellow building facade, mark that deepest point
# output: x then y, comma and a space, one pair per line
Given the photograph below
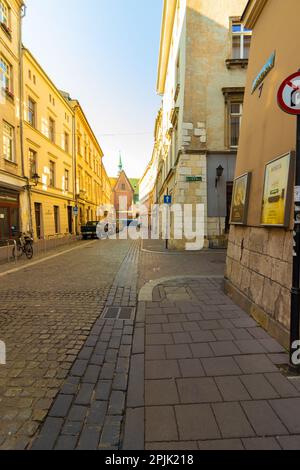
89, 168
48, 153
106, 188
13, 199
52, 178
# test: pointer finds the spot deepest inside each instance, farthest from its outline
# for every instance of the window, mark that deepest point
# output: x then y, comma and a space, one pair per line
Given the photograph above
123, 187
32, 163
52, 130
56, 219
236, 112
31, 112
4, 15
67, 180
8, 142
6, 75
34, 79
66, 142
241, 40
52, 174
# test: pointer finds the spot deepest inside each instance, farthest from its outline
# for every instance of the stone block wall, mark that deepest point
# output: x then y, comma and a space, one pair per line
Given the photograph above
194, 136
259, 265
185, 192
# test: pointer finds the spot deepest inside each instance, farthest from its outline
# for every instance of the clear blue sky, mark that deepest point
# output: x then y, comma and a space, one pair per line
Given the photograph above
105, 53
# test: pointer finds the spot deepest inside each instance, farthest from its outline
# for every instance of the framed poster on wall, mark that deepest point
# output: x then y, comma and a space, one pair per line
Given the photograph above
278, 190
240, 200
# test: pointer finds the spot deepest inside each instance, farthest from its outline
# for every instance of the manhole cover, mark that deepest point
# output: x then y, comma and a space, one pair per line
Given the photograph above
119, 313
112, 312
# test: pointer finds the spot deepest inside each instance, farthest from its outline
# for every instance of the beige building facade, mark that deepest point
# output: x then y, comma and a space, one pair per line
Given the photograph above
259, 262
202, 72
13, 198
48, 151
149, 182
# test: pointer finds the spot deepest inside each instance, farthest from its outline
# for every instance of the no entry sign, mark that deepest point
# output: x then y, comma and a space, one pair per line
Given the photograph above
289, 94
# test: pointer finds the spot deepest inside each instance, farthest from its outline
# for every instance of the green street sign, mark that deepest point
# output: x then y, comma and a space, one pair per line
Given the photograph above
193, 179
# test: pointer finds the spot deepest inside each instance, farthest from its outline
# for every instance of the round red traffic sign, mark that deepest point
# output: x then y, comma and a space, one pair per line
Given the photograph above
289, 94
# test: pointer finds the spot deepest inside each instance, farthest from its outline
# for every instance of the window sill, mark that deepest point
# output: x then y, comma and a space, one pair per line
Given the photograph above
31, 125
9, 95
236, 63
6, 30
10, 162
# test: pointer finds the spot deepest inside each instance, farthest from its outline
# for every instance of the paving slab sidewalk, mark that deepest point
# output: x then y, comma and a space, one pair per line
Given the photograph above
212, 376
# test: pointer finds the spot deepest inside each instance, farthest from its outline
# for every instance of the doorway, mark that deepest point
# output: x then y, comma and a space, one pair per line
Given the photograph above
70, 219
38, 219
9, 221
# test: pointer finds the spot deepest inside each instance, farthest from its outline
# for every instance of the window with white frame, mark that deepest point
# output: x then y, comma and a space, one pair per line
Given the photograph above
51, 129
241, 41
236, 113
66, 142
5, 75
31, 112
4, 13
8, 142
67, 180
52, 174
32, 162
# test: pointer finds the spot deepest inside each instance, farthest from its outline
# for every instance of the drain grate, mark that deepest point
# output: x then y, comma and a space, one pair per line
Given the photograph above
119, 313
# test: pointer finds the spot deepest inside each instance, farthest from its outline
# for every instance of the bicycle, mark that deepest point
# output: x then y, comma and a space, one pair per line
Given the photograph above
23, 246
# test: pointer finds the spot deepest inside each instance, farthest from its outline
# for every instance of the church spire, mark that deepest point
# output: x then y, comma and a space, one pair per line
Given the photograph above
120, 164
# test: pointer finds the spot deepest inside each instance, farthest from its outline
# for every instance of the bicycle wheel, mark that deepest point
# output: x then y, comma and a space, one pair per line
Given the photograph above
29, 251
17, 252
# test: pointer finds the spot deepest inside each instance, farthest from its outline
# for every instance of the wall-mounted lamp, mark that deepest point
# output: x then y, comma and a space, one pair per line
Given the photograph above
35, 178
219, 174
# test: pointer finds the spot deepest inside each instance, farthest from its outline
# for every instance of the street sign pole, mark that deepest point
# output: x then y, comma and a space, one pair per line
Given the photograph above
167, 230
289, 101
295, 299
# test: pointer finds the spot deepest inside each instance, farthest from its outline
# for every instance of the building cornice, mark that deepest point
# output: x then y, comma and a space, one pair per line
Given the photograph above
29, 56
77, 108
252, 12
169, 11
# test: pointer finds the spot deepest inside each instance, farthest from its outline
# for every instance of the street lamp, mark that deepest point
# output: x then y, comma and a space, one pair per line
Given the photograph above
35, 178
219, 174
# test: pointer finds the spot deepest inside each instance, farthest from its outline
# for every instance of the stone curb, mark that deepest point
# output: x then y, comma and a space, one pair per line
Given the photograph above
146, 292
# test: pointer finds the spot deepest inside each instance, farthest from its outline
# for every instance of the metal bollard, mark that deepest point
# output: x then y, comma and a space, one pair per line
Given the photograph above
16, 252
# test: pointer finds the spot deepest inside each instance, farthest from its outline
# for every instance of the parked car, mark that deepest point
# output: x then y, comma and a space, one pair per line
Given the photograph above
89, 230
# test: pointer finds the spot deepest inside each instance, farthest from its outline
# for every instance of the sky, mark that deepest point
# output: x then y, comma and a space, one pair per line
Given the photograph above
105, 54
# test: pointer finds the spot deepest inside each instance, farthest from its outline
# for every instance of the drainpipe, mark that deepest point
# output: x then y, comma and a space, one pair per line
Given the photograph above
21, 98
75, 166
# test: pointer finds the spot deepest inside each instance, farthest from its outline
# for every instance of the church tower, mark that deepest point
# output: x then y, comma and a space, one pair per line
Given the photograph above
120, 165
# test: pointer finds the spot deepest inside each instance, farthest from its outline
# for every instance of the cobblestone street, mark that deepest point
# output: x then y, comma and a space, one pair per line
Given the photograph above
119, 346
46, 313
